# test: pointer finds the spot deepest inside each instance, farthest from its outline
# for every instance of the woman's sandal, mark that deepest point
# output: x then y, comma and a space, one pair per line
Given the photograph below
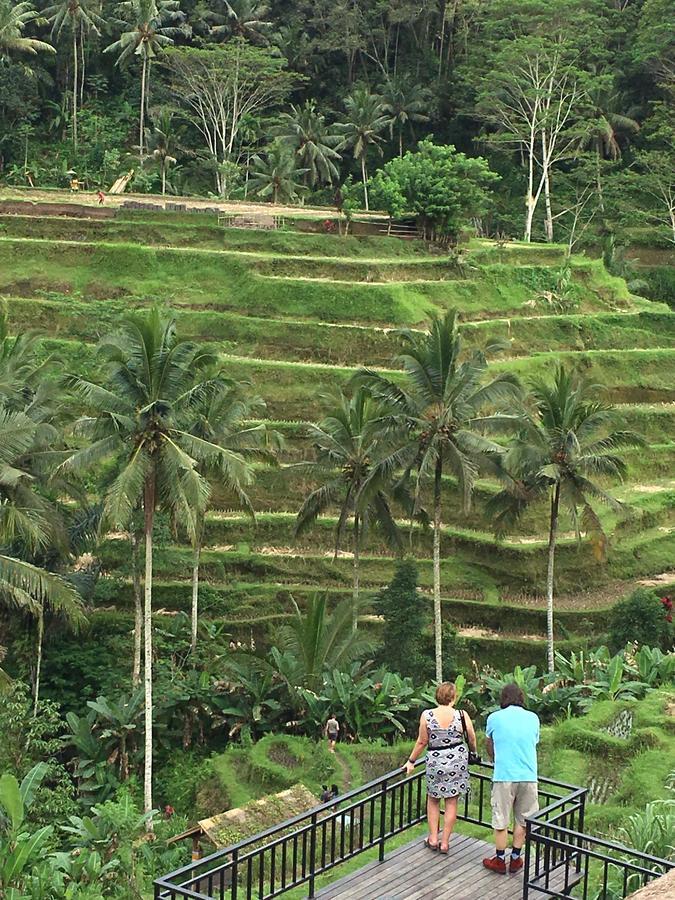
429, 845
444, 852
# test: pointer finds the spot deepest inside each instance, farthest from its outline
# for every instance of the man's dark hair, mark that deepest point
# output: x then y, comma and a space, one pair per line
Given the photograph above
511, 695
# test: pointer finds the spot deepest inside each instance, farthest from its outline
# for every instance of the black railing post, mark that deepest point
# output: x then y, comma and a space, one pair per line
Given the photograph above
312, 856
235, 874
580, 826
526, 879
383, 818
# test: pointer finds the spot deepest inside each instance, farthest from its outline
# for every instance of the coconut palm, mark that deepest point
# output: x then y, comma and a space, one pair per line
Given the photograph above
565, 442
138, 418
405, 103
366, 120
276, 175
14, 17
162, 143
149, 33
247, 19
29, 523
224, 417
354, 469
304, 129
80, 18
444, 406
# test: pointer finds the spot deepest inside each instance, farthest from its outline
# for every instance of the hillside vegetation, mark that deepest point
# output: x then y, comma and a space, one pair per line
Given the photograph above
297, 314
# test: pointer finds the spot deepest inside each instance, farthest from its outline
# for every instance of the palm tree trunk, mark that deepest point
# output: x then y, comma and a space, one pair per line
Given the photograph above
356, 583
400, 141
75, 85
38, 664
163, 178
365, 179
598, 180
438, 623
149, 510
195, 587
141, 124
552, 534
138, 609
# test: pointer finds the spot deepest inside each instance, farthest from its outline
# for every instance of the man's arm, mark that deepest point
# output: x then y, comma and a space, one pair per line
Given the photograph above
490, 747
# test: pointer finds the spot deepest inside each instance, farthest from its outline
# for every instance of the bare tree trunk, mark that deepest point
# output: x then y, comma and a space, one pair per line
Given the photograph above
138, 609
38, 664
163, 179
438, 621
547, 201
598, 180
149, 510
75, 86
552, 534
141, 123
365, 179
356, 583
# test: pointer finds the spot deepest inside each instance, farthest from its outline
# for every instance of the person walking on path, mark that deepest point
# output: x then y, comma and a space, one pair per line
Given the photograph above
441, 732
512, 738
331, 731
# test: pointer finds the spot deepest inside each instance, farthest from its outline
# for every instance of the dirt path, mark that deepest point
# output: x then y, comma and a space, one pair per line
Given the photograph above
346, 777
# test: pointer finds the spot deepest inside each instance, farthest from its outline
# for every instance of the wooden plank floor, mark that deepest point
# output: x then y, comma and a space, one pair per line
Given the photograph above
413, 872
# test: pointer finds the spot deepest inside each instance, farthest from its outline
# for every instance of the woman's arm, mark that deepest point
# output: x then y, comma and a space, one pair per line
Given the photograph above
471, 733
418, 749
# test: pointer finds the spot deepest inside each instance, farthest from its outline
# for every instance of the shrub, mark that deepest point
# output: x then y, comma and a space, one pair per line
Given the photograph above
641, 618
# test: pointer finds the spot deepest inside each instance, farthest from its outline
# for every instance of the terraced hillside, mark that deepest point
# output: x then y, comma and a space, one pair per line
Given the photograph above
297, 314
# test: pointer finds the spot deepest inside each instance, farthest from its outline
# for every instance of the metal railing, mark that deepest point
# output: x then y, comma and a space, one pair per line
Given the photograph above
562, 861
297, 851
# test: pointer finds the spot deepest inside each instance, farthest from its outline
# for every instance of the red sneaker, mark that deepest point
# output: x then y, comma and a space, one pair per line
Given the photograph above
515, 864
496, 864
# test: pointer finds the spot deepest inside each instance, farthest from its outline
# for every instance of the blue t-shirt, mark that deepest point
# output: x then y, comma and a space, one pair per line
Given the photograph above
515, 735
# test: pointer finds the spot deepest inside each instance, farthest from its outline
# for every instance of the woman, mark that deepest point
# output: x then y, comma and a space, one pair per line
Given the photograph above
447, 773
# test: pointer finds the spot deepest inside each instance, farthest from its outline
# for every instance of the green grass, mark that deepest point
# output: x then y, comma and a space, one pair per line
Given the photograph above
225, 281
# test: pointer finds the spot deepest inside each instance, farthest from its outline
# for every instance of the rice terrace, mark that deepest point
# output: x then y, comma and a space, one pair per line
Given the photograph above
337, 458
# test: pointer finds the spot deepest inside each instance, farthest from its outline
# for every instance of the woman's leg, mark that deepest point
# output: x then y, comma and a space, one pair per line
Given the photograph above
433, 817
449, 819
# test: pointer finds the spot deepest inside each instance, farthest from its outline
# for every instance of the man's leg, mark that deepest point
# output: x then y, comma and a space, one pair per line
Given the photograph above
433, 817
502, 802
526, 803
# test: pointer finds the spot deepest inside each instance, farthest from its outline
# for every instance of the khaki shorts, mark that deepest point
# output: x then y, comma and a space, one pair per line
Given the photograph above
520, 796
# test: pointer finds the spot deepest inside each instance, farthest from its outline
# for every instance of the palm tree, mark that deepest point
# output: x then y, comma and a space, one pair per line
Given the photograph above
276, 175
29, 522
78, 17
609, 130
224, 418
354, 470
304, 129
366, 119
162, 142
317, 641
565, 441
138, 418
441, 407
13, 19
149, 33
247, 19
405, 103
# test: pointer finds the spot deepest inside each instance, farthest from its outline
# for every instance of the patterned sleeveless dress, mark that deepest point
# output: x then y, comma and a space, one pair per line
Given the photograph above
447, 758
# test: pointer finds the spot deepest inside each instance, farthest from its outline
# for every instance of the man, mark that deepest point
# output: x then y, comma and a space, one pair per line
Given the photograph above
331, 731
512, 738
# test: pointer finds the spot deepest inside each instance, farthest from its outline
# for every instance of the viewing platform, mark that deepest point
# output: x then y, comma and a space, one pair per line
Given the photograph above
307, 856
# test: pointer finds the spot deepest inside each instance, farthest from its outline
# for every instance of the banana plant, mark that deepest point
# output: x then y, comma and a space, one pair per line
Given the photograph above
21, 848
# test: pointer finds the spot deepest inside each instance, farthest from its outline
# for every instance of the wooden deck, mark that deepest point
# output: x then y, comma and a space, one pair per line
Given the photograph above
413, 872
